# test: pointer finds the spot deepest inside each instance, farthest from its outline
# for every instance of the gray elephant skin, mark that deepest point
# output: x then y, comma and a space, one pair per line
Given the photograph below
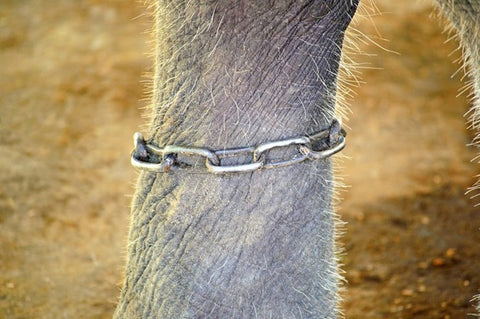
247, 245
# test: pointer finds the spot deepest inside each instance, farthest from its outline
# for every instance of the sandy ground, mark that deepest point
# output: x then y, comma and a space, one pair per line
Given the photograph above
71, 93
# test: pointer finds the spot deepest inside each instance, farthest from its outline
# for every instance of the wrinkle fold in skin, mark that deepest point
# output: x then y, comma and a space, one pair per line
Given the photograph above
260, 244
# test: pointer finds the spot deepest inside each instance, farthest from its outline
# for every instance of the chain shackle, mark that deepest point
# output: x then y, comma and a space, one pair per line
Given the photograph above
317, 146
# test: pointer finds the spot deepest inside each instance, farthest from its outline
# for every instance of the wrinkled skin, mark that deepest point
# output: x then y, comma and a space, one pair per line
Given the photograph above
236, 73
251, 245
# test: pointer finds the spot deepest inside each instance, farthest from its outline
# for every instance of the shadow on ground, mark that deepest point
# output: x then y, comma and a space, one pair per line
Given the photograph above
418, 257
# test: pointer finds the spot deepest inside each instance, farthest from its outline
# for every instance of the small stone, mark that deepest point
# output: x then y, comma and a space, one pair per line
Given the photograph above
425, 220
438, 262
407, 292
422, 288
466, 283
450, 253
10, 285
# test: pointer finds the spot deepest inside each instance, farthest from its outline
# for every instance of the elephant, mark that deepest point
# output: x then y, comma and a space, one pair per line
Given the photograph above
226, 239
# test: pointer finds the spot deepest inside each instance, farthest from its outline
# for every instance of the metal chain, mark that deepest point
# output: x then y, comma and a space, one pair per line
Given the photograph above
317, 146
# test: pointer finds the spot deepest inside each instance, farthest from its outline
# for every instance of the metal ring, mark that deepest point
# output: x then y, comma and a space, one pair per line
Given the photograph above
242, 168
299, 159
312, 154
319, 135
138, 139
262, 148
174, 149
232, 152
163, 166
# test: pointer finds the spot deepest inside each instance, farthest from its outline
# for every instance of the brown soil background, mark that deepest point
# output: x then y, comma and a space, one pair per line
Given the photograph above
71, 91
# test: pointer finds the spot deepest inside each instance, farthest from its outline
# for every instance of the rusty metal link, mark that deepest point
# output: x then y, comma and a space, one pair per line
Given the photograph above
320, 145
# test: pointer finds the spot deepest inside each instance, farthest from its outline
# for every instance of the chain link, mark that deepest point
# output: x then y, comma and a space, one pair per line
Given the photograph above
317, 146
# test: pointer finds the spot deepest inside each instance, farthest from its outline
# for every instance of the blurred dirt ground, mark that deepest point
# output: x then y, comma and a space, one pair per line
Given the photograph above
71, 93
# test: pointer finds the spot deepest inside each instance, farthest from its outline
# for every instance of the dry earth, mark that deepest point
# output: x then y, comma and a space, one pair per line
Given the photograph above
71, 90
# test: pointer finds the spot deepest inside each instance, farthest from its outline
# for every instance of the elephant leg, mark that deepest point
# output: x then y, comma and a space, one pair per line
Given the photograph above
465, 16
243, 245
